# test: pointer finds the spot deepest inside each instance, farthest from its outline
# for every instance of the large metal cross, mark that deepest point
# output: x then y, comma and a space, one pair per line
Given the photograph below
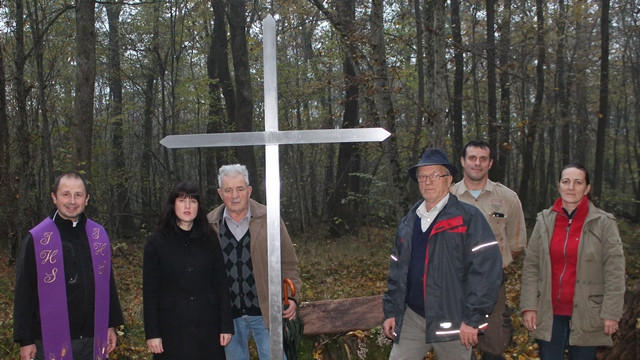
271, 138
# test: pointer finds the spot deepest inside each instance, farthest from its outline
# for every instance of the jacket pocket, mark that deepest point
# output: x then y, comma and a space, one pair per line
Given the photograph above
594, 322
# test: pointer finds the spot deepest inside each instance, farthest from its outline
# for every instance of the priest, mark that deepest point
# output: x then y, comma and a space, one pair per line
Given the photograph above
66, 305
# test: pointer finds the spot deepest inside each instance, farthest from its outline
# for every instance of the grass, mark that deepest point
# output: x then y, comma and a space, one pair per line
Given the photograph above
330, 268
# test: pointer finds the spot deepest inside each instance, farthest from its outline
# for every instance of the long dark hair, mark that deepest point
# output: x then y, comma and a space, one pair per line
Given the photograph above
168, 223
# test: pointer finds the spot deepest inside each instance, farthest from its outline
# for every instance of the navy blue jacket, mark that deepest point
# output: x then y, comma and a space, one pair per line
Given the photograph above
463, 271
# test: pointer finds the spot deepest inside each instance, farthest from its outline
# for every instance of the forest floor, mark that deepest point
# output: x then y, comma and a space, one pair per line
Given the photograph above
331, 269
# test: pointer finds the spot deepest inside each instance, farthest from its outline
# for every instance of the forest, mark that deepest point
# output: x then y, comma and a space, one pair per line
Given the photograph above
93, 86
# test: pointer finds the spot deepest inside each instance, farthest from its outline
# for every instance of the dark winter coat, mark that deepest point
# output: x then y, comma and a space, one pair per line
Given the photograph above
186, 296
78, 270
464, 271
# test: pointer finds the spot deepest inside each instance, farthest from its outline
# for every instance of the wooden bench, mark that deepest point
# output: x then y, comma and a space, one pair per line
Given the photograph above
342, 315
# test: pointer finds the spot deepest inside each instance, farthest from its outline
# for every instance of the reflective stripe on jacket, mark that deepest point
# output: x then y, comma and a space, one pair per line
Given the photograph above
463, 276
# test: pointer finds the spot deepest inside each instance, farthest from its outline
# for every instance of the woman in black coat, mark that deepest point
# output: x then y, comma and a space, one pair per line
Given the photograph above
187, 312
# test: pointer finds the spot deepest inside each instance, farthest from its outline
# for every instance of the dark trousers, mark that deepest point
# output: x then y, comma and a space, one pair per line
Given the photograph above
82, 349
554, 349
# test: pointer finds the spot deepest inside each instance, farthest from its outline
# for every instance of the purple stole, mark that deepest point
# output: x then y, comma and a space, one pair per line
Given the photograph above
52, 289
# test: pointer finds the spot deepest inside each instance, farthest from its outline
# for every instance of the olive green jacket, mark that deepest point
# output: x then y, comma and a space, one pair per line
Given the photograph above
600, 278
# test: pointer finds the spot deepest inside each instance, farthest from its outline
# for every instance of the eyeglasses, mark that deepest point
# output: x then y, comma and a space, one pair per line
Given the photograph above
435, 177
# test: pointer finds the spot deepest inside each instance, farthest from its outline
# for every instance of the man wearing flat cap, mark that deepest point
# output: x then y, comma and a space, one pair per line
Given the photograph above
445, 270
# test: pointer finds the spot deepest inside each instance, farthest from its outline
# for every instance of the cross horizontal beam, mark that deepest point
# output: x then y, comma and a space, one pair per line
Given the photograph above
275, 137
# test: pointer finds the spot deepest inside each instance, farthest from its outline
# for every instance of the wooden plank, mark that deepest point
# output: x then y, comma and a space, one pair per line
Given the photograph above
342, 315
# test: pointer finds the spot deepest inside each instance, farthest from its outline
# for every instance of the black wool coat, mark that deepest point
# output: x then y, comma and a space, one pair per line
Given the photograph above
186, 295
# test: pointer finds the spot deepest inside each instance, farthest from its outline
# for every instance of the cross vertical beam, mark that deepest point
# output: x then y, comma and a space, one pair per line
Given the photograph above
272, 174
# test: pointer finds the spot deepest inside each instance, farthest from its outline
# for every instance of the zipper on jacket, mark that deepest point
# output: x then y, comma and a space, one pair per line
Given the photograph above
564, 254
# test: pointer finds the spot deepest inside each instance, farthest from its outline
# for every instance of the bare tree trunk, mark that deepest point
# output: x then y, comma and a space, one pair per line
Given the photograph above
458, 80
85, 83
561, 84
5, 159
222, 96
122, 221
435, 132
581, 119
326, 212
243, 117
419, 122
343, 212
37, 36
384, 106
504, 146
633, 137
475, 59
24, 176
147, 185
603, 111
492, 102
536, 116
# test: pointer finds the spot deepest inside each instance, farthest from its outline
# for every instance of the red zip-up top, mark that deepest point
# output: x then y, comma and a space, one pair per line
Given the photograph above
563, 252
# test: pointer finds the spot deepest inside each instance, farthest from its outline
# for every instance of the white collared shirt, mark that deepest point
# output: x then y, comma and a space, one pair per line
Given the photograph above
238, 229
427, 217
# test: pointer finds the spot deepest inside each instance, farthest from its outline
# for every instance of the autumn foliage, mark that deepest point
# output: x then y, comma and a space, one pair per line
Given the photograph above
331, 268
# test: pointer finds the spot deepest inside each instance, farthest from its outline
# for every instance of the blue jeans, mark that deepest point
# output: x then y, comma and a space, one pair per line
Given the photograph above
554, 349
238, 348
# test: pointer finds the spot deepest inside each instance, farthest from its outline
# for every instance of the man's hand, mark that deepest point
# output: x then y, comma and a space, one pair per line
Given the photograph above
290, 312
28, 352
468, 336
530, 320
389, 328
610, 326
112, 340
225, 339
155, 345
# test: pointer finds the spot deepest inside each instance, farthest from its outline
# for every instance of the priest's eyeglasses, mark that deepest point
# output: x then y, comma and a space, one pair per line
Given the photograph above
435, 177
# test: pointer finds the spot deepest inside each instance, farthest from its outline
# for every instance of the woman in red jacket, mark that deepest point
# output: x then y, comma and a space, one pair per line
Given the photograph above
573, 274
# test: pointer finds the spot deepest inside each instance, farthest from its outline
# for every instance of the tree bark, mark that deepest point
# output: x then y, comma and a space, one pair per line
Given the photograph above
492, 100
536, 115
384, 106
37, 36
458, 80
420, 108
5, 164
24, 177
121, 219
243, 117
222, 96
85, 84
152, 69
561, 85
342, 210
435, 132
504, 146
603, 109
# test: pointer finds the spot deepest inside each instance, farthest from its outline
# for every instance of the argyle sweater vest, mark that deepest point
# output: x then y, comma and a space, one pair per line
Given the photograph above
242, 285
